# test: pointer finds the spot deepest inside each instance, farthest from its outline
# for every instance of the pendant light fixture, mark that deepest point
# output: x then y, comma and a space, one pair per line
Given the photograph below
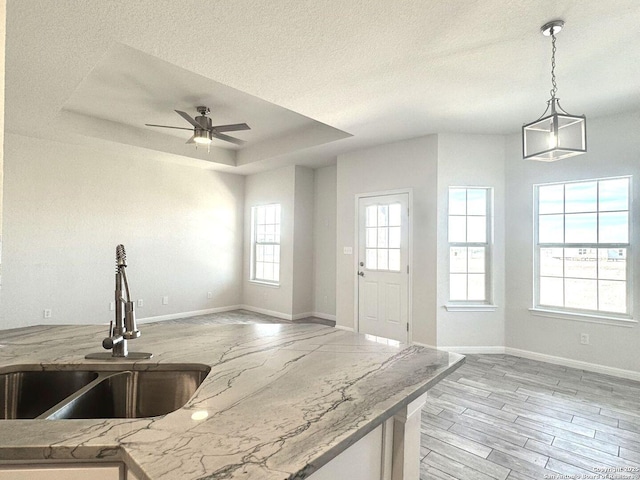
556, 134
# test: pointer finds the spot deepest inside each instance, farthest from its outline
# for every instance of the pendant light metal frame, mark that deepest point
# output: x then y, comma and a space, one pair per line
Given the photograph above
557, 134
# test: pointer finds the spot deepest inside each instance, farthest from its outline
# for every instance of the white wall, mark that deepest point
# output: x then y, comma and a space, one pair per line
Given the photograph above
471, 160
274, 186
324, 260
66, 208
303, 243
613, 149
406, 164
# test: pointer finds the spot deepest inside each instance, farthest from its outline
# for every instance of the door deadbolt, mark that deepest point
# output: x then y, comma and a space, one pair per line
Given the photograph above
362, 264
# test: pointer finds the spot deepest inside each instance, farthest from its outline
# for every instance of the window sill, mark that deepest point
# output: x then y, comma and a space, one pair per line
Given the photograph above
585, 317
265, 284
470, 308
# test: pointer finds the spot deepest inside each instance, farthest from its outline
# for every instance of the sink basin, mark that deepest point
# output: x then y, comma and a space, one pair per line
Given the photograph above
27, 394
133, 394
85, 393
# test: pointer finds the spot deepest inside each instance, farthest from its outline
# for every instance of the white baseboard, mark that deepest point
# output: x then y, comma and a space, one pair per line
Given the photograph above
342, 327
195, 313
298, 316
324, 316
425, 345
567, 362
473, 350
264, 311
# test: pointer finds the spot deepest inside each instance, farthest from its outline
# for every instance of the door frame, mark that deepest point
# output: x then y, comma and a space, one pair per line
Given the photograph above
356, 305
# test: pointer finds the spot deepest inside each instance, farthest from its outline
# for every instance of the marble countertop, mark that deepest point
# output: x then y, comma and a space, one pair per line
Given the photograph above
282, 399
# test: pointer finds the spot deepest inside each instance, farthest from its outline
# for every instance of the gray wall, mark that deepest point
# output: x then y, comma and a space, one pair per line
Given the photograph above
613, 149
408, 164
324, 244
471, 160
67, 207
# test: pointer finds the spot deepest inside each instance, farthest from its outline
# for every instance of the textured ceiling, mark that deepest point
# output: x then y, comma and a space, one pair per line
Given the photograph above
381, 71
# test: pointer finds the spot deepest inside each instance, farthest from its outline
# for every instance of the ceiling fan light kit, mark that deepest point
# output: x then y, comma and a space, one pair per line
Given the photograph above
203, 130
556, 134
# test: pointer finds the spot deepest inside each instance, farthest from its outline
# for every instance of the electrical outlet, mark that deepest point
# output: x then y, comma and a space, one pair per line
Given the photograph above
209, 294
140, 302
46, 313
112, 306
165, 300
584, 338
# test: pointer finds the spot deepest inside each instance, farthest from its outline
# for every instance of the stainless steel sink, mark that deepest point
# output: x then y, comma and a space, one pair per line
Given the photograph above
116, 393
28, 393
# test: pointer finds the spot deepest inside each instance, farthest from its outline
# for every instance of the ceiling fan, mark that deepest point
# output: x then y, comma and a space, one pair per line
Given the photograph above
203, 131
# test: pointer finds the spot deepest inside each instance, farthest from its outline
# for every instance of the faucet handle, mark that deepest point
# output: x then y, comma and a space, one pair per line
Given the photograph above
130, 328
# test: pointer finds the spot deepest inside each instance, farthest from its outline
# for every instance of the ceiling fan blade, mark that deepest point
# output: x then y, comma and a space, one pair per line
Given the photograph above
231, 128
188, 119
191, 140
227, 138
167, 126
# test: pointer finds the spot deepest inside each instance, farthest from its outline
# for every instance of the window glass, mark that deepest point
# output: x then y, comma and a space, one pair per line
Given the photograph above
583, 245
265, 266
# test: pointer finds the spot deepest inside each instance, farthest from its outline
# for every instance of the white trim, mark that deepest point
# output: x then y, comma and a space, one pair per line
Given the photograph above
324, 316
470, 308
585, 317
567, 362
356, 307
195, 313
424, 345
342, 327
473, 350
298, 316
264, 311
264, 283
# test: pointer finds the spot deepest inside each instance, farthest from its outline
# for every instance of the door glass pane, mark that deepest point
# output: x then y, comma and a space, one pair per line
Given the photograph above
581, 228
551, 199
371, 259
372, 237
612, 263
551, 291
383, 259
457, 201
476, 260
613, 296
476, 201
372, 216
457, 260
614, 194
476, 287
457, 229
581, 197
394, 260
394, 237
457, 286
581, 294
395, 216
614, 227
382, 237
550, 229
383, 215
581, 262
551, 264
477, 229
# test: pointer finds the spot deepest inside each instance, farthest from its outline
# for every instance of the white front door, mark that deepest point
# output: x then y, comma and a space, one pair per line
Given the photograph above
383, 266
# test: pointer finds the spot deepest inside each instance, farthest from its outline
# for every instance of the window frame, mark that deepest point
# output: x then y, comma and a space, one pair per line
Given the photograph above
255, 243
474, 305
569, 312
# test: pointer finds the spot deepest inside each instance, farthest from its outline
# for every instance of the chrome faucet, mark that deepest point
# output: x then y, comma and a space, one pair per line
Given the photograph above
124, 328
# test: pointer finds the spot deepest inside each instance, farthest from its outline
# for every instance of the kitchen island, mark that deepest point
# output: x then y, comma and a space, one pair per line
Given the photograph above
281, 401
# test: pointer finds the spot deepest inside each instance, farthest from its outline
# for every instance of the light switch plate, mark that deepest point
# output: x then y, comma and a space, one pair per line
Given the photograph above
347, 250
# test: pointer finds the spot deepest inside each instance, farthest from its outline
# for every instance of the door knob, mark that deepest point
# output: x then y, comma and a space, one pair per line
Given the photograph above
361, 274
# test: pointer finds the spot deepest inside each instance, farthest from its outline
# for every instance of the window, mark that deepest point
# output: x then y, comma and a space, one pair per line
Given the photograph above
383, 237
582, 246
265, 243
470, 235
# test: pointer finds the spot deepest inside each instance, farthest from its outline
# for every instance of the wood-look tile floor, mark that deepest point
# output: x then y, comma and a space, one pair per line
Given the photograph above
504, 417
